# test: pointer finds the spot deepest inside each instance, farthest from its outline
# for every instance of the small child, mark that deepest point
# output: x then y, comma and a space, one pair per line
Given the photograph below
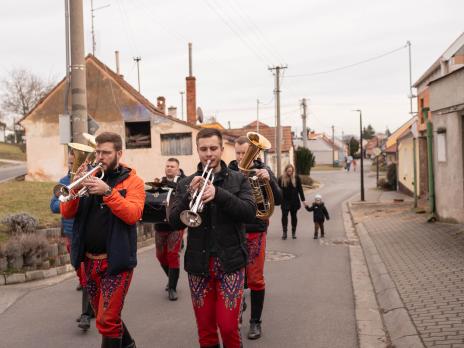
320, 213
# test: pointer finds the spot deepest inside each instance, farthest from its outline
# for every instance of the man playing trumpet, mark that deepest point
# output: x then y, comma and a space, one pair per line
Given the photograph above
105, 237
216, 255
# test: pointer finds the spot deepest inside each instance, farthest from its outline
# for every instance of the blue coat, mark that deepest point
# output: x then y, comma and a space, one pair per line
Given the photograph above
55, 208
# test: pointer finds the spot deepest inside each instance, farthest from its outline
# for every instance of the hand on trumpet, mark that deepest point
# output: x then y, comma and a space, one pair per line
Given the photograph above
262, 174
196, 184
80, 172
95, 185
209, 193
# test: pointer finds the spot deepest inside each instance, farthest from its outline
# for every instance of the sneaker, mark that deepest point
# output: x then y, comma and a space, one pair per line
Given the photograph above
84, 323
315, 236
255, 329
172, 294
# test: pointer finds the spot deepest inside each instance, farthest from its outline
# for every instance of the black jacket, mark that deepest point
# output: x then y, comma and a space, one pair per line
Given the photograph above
320, 212
222, 231
290, 199
166, 226
260, 225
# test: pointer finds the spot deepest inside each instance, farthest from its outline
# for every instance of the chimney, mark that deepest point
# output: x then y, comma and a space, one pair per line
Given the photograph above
191, 92
116, 55
172, 111
161, 104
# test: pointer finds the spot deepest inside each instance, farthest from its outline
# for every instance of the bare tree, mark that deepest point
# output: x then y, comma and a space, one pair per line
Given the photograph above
21, 91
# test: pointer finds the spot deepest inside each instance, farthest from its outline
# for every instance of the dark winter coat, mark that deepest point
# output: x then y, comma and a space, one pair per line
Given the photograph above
166, 226
320, 212
222, 232
260, 225
291, 195
67, 224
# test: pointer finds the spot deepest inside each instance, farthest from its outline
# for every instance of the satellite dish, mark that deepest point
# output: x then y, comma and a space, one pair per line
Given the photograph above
199, 115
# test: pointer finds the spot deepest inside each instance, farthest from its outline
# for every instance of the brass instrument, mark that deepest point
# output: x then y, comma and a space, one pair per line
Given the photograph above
262, 191
191, 217
83, 155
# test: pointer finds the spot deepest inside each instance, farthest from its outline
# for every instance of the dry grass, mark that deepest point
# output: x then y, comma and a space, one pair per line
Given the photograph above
11, 152
325, 167
28, 197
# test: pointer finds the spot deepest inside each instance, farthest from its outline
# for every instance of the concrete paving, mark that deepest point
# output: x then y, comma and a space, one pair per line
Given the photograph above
309, 297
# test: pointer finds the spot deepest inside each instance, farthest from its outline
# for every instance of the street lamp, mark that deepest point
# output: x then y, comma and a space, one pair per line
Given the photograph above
362, 153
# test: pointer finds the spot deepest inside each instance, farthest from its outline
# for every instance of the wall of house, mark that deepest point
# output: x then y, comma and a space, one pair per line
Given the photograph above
406, 165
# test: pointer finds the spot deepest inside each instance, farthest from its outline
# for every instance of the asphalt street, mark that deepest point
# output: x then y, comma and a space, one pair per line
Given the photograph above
13, 171
309, 297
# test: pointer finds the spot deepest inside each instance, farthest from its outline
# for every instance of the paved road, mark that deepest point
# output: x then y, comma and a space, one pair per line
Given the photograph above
309, 298
12, 171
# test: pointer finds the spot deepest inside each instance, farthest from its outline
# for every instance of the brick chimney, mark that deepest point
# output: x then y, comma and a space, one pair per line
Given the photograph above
161, 104
191, 92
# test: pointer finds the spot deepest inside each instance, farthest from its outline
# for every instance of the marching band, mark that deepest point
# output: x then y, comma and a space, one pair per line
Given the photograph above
225, 209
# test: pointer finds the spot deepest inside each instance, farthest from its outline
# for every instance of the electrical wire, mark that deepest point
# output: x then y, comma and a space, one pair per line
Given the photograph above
349, 65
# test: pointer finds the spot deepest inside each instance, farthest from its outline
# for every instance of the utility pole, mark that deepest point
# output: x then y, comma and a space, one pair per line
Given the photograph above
92, 11
362, 153
137, 60
182, 104
78, 78
303, 117
411, 96
277, 111
257, 115
333, 146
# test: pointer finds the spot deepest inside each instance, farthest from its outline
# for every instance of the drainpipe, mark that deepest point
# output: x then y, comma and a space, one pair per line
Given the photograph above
433, 217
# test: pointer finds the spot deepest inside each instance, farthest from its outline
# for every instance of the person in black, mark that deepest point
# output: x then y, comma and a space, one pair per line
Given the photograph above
105, 237
320, 213
216, 253
168, 240
256, 238
292, 192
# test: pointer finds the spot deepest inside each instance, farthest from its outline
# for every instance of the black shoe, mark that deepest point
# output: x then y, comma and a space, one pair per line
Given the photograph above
79, 287
127, 341
322, 235
284, 235
172, 294
315, 236
293, 236
255, 329
84, 322
108, 342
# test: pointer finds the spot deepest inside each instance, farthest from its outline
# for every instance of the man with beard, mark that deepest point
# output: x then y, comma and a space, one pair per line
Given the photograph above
256, 239
167, 239
216, 255
105, 237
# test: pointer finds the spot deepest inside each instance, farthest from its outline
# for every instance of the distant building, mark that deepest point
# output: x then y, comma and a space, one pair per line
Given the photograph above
324, 151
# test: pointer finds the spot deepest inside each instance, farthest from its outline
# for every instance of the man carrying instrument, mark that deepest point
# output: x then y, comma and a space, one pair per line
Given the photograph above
256, 238
168, 240
105, 238
216, 255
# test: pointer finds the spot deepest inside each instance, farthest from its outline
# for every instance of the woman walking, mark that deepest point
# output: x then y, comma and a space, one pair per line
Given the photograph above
292, 192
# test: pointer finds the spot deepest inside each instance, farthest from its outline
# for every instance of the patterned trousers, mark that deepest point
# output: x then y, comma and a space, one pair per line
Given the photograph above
168, 244
107, 293
217, 302
256, 243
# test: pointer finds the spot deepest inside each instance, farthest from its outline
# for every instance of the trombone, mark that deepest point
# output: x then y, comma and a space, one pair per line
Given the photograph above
191, 217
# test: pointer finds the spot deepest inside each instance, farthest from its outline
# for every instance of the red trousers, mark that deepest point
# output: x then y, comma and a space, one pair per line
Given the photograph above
107, 293
256, 243
168, 245
217, 302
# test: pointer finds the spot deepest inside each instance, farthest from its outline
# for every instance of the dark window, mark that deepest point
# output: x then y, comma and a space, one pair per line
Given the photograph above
138, 135
176, 144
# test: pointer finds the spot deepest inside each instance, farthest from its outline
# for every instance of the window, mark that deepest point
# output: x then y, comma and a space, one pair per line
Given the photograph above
138, 135
175, 144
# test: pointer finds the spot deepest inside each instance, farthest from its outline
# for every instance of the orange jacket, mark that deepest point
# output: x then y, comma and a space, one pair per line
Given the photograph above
129, 209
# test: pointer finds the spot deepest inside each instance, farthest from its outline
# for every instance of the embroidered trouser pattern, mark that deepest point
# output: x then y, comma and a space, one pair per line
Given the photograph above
256, 243
168, 246
217, 302
107, 293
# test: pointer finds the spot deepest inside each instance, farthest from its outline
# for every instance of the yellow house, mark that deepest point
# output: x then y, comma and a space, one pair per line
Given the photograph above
149, 135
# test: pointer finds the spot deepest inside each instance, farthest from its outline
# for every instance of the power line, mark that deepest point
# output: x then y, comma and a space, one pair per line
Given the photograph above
350, 65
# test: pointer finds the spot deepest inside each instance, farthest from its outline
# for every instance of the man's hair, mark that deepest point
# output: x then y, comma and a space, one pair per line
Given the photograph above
208, 133
110, 137
172, 159
243, 139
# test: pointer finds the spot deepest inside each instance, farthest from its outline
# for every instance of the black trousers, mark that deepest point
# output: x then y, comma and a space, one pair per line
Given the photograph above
293, 216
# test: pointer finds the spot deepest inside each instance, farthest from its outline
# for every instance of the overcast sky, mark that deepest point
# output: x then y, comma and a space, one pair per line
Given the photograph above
234, 43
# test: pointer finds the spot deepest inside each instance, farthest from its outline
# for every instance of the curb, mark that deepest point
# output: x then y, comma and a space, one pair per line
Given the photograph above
370, 328
30, 276
398, 323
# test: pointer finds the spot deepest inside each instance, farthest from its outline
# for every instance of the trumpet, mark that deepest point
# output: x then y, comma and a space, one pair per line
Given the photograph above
191, 217
65, 191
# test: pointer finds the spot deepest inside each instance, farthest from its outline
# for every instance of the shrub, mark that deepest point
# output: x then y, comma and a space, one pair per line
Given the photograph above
304, 160
20, 223
14, 253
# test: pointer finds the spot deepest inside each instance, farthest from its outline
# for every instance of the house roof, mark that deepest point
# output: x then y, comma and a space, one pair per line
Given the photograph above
325, 138
216, 125
393, 138
449, 52
391, 149
269, 133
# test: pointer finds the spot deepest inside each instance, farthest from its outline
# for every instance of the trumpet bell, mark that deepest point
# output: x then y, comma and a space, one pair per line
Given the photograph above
190, 218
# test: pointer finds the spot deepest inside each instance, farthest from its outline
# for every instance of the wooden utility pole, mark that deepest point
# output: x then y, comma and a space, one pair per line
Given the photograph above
333, 146
137, 60
78, 71
277, 111
303, 117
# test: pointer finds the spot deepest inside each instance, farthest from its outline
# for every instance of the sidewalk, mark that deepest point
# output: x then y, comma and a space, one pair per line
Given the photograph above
421, 262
